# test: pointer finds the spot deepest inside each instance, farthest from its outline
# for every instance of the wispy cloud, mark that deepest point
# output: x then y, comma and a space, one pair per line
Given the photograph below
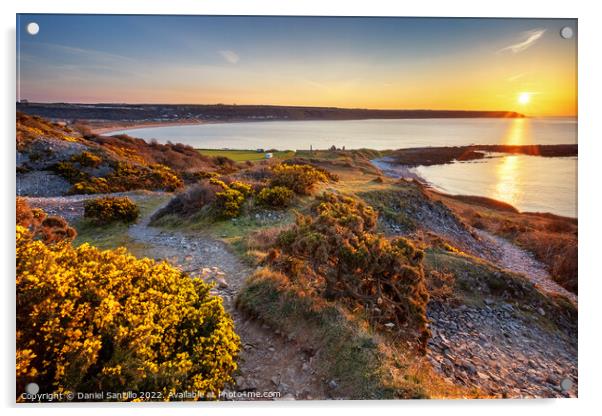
515, 77
230, 56
86, 54
528, 39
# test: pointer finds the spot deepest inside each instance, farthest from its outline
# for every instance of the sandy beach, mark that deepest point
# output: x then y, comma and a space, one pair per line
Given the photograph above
108, 128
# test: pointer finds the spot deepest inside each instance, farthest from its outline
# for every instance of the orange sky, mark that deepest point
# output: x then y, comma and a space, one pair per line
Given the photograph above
405, 63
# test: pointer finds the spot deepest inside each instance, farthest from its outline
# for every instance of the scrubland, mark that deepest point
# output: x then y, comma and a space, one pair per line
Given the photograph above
360, 271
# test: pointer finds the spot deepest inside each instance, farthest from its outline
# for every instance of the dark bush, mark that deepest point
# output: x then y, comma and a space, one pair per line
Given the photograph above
189, 202
49, 229
260, 172
70, 172
111, 209
225, 164
338, 243
225, 200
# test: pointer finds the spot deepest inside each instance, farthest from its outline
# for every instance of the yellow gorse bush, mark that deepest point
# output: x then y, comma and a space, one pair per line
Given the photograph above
91, 320
300, 179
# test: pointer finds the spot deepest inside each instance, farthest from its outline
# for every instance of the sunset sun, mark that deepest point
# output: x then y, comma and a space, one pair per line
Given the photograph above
524, 98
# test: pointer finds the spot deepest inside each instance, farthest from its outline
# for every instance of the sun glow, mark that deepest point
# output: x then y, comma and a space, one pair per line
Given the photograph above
524, 98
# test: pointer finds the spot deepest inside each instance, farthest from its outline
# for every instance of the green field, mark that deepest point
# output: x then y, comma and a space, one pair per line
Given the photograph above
244, 155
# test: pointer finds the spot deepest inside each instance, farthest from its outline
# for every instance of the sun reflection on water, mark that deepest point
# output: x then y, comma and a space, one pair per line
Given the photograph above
508, 172
508, 176
518, 132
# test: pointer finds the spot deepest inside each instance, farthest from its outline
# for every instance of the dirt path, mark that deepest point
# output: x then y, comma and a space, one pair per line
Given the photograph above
517, 260
269, 362
271, 366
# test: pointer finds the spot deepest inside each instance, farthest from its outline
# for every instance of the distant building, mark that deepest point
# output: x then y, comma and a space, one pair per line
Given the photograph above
269, 155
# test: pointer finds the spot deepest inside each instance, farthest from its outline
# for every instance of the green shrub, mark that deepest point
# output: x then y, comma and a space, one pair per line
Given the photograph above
91, 320
111, 209
301, 179
275, 197
229, 201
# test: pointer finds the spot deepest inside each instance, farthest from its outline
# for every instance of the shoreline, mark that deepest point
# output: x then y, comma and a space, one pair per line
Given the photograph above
394, 170
111, 128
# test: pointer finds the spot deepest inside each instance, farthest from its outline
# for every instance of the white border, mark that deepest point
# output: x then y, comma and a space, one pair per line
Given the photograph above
590, 138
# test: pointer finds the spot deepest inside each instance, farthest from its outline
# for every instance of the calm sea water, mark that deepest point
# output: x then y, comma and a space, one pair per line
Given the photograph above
529, 183
355, 134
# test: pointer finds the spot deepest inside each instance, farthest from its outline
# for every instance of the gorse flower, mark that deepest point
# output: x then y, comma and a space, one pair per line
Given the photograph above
301, 179
91, 320
111, 209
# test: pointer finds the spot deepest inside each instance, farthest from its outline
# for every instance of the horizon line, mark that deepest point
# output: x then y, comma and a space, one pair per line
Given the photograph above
524, 115
265, 105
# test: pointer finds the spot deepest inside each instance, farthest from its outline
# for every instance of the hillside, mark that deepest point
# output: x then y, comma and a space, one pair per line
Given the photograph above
53, 160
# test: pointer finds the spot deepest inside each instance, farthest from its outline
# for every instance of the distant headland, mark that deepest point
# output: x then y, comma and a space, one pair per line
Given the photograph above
191, 113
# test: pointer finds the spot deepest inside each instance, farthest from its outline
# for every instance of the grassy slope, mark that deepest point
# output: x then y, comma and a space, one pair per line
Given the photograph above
365, 364
245, 155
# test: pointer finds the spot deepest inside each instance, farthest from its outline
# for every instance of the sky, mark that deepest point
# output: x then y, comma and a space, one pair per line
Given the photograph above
519, 65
